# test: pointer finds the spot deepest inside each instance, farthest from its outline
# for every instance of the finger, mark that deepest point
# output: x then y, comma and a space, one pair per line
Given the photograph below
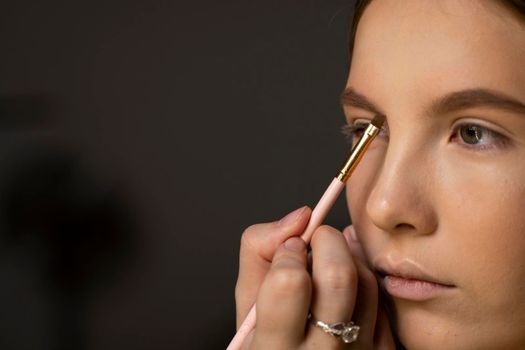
258, 245
383, 339
365, 312
284, 298
334, 277
351, 236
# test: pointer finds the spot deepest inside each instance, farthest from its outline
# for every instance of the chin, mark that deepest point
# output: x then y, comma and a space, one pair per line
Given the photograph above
419, 327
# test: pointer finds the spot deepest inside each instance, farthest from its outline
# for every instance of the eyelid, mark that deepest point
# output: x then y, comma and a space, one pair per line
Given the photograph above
359, 120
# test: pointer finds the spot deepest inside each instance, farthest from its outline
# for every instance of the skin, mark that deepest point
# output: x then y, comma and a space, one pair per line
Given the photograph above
425, 196
274, 272
420, 195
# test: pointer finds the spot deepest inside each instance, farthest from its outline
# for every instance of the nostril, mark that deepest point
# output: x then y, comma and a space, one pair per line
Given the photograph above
404, 226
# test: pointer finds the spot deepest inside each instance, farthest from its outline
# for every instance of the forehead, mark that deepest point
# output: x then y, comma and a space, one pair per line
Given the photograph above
427, 47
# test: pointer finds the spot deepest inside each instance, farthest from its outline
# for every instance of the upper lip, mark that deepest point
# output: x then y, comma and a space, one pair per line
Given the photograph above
406, 268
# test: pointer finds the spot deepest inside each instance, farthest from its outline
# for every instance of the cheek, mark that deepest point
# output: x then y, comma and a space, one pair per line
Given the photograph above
482, 219
480, 242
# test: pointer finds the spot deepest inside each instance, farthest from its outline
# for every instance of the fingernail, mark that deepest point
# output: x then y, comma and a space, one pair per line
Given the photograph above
350, 232
353, 235
292, 217
295, 244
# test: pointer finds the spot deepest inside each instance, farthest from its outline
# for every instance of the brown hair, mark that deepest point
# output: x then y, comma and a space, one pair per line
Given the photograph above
516, 6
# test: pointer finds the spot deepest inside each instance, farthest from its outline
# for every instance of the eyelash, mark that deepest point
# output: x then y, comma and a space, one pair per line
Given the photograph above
351, 131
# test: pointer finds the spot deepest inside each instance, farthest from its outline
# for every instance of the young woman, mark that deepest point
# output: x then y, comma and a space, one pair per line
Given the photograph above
436, 255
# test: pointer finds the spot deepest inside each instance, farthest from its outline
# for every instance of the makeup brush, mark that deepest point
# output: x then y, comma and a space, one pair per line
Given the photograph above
338, 183
321, 209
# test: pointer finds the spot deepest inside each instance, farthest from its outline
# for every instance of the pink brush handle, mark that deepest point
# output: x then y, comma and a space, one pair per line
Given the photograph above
322, 208
316, 219
247, 325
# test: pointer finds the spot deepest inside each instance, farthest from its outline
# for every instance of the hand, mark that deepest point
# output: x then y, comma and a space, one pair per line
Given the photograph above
274, 273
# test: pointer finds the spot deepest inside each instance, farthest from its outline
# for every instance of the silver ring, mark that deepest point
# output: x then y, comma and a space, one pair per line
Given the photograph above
347, 331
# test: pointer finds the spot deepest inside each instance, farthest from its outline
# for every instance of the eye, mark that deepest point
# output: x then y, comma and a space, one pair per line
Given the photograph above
472, 134
478, 137
353, 132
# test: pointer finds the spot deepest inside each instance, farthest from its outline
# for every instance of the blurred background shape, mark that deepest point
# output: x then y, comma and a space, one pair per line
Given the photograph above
137, 141
69, 233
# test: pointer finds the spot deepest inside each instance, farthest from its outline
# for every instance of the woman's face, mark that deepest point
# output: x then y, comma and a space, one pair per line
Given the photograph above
440, 196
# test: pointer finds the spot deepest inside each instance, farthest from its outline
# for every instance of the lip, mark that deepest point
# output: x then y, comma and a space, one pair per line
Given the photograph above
406, 279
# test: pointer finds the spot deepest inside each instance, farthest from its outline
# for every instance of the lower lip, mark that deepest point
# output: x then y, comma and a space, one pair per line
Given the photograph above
413, 289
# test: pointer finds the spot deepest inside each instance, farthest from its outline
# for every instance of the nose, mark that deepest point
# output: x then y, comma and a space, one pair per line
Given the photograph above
401, 198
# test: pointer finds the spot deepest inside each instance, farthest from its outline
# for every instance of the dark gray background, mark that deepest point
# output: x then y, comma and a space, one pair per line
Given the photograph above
137, 140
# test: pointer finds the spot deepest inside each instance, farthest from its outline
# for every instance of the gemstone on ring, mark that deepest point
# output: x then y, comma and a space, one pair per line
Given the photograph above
347, 331
350, 333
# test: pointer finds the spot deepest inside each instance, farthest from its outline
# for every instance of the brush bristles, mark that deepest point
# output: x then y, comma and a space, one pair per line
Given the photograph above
378, 121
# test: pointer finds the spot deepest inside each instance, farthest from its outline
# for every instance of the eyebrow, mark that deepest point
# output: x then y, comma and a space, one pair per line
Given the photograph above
350, 97
451, 102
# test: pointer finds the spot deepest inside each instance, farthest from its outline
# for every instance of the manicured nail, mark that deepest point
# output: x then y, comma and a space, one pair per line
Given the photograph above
292, 217
295, 244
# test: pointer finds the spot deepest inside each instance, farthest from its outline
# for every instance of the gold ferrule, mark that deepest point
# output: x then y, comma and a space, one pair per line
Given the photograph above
357, 152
